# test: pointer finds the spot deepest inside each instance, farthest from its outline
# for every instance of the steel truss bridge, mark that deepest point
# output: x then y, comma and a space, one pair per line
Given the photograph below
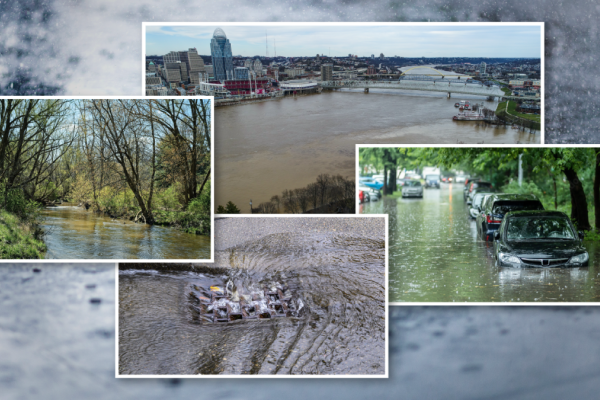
450, 86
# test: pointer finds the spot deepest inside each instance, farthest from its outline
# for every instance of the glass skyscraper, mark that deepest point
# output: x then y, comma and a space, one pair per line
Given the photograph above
222, 58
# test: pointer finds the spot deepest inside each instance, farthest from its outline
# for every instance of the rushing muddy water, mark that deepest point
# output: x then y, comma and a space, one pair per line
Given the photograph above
74, 233
435, 256
339, 277
264, 148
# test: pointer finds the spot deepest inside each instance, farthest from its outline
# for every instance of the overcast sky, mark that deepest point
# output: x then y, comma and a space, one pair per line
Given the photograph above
404, 41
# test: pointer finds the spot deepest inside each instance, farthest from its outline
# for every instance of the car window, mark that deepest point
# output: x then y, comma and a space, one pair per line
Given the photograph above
413, 183
478, 199
432, 177
527, 228
502, 207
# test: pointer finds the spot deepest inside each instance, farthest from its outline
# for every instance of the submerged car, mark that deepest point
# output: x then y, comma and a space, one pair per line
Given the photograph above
497, 205
539, 239
432, 181
412, 189
479, 186
477, 203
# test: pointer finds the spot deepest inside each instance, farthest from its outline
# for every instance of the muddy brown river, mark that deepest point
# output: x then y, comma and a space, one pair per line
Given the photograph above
264, 148
435, 256
73, 233
339, 276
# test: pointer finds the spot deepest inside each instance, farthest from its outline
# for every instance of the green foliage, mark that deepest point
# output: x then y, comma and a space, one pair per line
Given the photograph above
18, 239
15, 202
229, 208
169, 198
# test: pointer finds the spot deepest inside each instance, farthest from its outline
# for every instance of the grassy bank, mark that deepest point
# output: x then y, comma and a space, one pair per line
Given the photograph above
18, 239
509, 112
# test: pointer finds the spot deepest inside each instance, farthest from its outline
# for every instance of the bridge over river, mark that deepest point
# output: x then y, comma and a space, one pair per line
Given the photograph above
450, 86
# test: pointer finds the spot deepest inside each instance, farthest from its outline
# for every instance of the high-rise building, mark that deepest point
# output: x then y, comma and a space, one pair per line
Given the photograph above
258, 67
327, 72
222, 59
193, 63
184, 72
241, 73
381, 57
172, 72
172, 56
372, 56
482, 68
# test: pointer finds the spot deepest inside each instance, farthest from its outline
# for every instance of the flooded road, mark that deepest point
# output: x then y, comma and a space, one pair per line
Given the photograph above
264, 148
435, 256
339, 276
74, 233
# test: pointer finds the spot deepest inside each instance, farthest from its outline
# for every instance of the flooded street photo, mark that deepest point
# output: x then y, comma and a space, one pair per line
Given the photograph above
436, 256
293, 296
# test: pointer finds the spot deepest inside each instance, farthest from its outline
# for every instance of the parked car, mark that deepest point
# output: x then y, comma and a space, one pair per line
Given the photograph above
539, 239
432, 181
370, 182
476, 204
479, 189
412, 189
373, 194
489, 219
478, 185
468, 183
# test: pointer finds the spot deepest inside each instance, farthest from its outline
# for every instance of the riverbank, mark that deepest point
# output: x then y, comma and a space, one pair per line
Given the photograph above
508, 109
18, 239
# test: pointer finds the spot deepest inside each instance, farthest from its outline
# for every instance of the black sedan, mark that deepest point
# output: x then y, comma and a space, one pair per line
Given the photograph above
496, 205
538, 239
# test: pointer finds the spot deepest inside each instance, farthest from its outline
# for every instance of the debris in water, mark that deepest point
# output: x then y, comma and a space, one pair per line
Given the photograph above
272, 302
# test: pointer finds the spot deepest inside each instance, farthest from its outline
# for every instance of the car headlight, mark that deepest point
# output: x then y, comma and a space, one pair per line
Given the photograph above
581, 258
507, 258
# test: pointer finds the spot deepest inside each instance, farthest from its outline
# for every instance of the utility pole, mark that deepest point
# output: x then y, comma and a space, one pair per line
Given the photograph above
520, 169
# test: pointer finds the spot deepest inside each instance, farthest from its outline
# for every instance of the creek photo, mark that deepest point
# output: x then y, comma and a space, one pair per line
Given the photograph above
106, 179
286, 296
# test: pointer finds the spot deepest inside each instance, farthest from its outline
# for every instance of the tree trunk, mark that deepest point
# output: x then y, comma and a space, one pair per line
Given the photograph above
579, 210
385, 187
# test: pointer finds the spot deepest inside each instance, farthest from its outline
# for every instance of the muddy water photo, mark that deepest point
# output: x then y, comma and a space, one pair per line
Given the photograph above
286, 296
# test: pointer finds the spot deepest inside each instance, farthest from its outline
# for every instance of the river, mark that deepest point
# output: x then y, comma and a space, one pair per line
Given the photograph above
435, 256
264, 148
74, 233
336, 267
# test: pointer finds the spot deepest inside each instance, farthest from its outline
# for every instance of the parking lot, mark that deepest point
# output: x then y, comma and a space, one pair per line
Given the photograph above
436, 256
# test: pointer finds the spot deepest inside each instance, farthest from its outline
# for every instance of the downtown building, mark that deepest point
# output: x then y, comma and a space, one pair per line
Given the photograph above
194, 65
327, 72
222, 58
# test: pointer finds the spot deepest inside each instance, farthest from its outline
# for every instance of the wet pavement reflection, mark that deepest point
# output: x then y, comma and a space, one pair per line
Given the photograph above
435, 256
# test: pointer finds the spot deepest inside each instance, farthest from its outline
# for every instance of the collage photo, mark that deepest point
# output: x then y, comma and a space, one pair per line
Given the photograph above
401, 206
